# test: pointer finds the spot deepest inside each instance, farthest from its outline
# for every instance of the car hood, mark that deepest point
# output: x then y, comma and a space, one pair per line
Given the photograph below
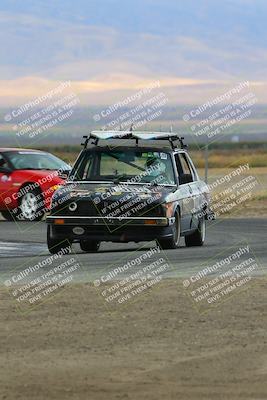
103, 192
45, 175
112, 190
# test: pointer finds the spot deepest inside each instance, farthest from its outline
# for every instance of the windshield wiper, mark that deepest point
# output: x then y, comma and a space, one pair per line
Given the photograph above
152, 183
119, 178
92, 180
126, 162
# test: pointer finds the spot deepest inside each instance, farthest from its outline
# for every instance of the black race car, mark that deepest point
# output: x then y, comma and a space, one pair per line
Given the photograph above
123, 192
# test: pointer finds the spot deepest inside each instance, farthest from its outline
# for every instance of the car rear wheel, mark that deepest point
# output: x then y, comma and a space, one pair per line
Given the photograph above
57, 245
89, 246
173, 242
31, 206
198, 237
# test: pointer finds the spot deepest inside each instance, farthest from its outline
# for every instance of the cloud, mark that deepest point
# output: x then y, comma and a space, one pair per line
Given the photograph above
116, 87
58, 49
40, 48
28, 87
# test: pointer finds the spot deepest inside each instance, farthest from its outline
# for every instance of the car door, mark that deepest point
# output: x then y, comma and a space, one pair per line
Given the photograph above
6, 185
185, 191
196, 199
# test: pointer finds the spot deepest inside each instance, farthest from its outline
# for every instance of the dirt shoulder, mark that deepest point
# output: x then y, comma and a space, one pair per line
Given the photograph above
252, 209
159, 347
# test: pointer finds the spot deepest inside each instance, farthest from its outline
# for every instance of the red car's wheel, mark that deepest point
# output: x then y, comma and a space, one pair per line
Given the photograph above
31, 206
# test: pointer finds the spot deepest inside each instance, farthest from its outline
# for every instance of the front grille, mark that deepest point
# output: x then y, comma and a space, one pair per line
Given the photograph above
87, 208
138, 209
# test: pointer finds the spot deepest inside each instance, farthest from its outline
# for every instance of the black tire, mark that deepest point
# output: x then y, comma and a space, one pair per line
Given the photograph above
198, 237
31, 207
9, 215
89, 246
57, 245
173, 242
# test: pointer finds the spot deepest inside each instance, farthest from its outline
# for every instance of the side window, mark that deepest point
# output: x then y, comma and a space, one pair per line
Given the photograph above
87, 169
185, 165
192, 168
83, 171
185, 172
3, 163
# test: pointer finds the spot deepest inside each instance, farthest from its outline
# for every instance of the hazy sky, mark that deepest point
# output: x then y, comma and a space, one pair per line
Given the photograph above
110, 47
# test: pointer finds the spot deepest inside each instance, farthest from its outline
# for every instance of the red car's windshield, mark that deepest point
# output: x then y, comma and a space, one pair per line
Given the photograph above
35, 160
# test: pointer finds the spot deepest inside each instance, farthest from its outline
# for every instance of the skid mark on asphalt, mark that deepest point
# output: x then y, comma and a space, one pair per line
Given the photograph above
9, 249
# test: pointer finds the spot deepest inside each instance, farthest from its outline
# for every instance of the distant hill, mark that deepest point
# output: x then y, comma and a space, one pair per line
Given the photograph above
81, 122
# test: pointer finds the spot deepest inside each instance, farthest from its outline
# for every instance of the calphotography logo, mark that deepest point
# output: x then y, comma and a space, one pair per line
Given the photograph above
42, 278
37, 117
217, 116
124, 282
222, 277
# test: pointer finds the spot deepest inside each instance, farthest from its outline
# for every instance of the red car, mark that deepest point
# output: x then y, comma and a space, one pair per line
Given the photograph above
28, 179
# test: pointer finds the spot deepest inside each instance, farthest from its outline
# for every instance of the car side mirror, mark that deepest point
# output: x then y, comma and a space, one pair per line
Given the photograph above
5, 170
64, 174
185, 178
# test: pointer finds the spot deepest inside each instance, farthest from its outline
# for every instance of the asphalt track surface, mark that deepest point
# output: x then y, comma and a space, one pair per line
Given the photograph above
20, 243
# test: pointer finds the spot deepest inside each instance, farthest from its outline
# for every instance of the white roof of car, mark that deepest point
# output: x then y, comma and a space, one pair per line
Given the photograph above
145, 135
109, 134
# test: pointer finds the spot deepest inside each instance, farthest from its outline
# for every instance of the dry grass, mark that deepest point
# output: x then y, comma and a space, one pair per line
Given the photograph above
225, 158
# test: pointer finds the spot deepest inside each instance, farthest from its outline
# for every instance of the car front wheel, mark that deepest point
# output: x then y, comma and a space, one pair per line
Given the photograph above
57, 245
173, 242
198, 237
89, 246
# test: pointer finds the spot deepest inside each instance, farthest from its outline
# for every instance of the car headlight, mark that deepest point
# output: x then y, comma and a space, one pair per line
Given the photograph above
54, 188
169, 209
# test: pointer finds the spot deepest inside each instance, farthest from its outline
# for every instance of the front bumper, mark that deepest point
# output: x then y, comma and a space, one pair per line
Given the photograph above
109, 221
111, 229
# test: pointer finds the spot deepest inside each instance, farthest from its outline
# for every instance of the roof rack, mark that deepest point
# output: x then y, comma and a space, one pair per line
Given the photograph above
171, 137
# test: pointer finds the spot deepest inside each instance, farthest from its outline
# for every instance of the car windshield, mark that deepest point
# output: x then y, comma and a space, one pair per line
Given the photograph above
129, 165
36, 161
